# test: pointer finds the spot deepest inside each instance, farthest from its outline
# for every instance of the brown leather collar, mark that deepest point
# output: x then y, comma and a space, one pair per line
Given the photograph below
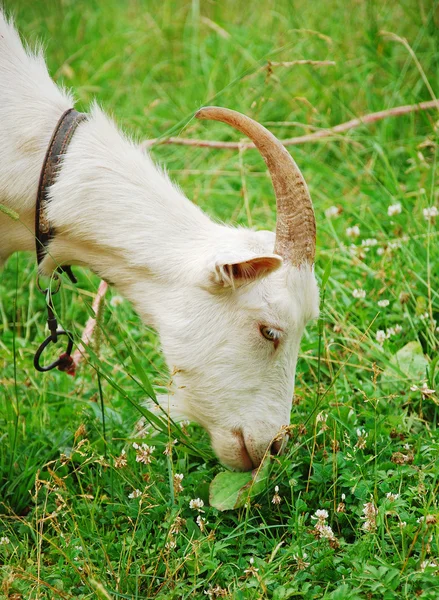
59, 142
44, 232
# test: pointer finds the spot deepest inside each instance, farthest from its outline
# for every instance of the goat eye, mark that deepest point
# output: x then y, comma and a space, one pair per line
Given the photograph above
269, 333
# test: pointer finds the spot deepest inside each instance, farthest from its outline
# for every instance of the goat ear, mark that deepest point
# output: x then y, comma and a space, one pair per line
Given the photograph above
234, 273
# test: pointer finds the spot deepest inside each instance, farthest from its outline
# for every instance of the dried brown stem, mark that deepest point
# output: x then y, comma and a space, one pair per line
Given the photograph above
322, 134
292, 63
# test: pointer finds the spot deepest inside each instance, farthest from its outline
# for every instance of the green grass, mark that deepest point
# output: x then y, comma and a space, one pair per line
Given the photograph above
73, 530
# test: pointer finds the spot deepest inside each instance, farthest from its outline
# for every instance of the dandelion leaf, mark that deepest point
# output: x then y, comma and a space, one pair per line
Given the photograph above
230, 490
407, 365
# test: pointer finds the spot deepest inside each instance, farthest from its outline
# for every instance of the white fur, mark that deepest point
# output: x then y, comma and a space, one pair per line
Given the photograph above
115, 212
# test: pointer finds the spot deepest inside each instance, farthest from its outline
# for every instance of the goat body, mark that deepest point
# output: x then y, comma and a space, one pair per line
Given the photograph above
211, 291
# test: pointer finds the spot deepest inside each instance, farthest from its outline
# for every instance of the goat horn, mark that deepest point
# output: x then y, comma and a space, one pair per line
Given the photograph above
295, 224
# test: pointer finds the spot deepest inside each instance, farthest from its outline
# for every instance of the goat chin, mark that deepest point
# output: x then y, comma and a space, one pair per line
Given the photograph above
230, 312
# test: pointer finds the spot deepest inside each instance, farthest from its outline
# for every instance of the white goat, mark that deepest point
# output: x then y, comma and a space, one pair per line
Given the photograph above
230, 304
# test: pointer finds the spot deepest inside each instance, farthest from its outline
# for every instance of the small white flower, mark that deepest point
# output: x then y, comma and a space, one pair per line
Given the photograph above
196, 504
178, 478
201, 522
353, 232
321, 417
389, 332
383, 303
135, 494
301, 562
425, 391
380, 336
116, 301
402, 524
343, 497
430, 213
398, 329
332, 211
369, 242
428, 563
380, 251
394, 209
325, 531
320, 515
392, 497
362, 437
143, 453
359, 293
4, 541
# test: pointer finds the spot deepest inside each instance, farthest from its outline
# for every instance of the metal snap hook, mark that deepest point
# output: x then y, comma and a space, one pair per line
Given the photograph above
64, 362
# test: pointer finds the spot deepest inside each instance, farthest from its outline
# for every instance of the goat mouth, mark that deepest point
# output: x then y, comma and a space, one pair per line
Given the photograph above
244, 454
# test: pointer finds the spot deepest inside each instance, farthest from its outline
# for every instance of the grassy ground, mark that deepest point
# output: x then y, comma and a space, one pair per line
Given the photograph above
365, 440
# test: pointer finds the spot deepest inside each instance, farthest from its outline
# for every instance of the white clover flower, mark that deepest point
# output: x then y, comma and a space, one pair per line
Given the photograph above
196, 504
251, 570
398, 329
394, 209
430, 213
320, 515
380, 336
370, 512
380, 251
402, 524
321, 417
332, 211
425, 390
178, 478
392, 497
116, 301
4, 541
135, 494
369, 242
389, 332
201, 522
362, 437
353, 232
276, 498
428, 563
325, 531
301, 563
121, 461
216, 592
143, 453
359, 293
383, 303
